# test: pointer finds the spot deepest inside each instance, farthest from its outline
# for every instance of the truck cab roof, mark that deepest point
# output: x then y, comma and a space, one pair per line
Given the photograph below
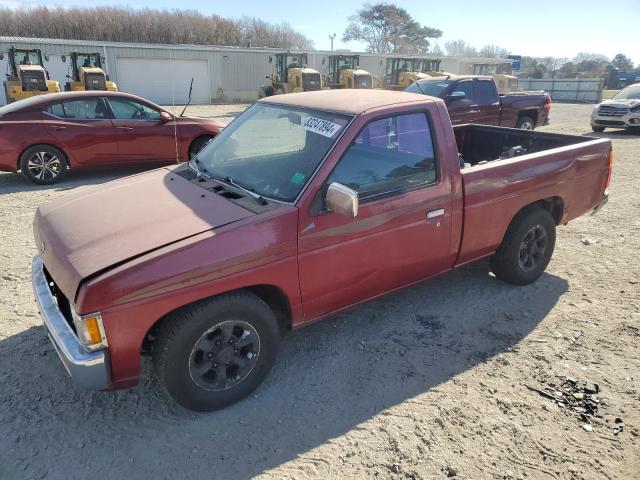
349, 101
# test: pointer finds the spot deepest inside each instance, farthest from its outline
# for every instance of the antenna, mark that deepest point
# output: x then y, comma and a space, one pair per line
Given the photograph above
188, 99
173, 105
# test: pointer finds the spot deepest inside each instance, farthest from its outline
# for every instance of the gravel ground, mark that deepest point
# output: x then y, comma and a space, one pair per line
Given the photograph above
428, 383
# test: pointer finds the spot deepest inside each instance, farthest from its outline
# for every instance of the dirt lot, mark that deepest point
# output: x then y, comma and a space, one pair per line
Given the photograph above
428, 383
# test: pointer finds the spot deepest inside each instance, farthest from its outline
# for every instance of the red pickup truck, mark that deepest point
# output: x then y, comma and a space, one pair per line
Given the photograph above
304, 205
475, 99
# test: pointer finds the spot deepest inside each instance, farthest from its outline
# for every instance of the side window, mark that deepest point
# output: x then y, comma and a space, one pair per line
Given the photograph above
486, 92
389, 155
92, 108
466, 87
125, 109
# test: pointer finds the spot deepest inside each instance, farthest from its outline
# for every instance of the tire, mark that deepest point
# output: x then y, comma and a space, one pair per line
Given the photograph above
198, 144
597, 129
527, 247
44, 164
193, 343
525, 122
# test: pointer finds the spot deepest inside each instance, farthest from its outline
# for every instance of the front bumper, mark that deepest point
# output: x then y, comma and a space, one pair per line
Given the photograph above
627, 120
86, 368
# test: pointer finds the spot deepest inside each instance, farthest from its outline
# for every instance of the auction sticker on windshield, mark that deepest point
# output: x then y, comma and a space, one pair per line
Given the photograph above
321, 127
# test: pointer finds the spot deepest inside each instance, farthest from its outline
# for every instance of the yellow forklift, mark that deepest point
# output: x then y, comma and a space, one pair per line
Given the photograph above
501, 73
291, 75
87, 74
26, 75
403, 71
345, 72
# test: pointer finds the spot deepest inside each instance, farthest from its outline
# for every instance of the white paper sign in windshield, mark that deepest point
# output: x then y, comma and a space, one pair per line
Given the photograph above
321, 127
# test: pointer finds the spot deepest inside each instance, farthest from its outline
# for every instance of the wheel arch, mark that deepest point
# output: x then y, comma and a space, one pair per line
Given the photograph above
531, 113
272, 295
199, 137
48, 144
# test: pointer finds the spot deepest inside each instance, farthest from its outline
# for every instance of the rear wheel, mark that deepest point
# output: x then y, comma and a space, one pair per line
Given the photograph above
597, 129
198, 144
43, 164
525, 122
217, 351
527, 247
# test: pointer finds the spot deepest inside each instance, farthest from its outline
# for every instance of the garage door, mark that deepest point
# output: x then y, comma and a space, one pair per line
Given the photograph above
154, 79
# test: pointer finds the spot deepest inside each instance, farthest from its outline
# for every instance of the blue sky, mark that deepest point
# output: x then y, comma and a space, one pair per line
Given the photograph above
558, 28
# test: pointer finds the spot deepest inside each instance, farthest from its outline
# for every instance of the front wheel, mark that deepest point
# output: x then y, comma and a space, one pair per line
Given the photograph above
526, 123
527, 247
43, 164
217, 351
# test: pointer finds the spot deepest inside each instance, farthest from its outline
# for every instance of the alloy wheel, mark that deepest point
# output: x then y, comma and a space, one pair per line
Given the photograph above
44, 165
532, 248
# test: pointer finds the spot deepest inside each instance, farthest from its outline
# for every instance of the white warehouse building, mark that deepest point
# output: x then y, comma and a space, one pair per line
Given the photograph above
163, 73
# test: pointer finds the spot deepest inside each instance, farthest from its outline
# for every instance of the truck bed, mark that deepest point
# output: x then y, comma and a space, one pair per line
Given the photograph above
568, 171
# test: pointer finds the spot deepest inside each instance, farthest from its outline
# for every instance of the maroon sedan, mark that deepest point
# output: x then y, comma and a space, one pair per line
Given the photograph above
44, 136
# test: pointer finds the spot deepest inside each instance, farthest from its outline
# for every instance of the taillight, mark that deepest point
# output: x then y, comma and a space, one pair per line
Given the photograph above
547, 106
606, 185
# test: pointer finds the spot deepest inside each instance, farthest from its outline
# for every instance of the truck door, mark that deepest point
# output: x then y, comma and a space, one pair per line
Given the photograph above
402, 232
463, 110
488, 101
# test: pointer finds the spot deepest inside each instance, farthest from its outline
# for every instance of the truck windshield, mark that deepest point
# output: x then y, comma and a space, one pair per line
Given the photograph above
272, 150
433, 88
630, 93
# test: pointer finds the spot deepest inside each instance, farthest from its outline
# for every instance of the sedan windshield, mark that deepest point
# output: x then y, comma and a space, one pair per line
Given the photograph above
271, 150
631, 92
433, 88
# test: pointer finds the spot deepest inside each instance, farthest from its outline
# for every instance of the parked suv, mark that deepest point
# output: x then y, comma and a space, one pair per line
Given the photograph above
621, 111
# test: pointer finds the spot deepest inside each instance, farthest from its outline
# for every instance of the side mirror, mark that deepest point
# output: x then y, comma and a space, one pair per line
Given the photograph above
453, 96
1, 56
63, 58
46, 57
165, 117
267, 76
342, 200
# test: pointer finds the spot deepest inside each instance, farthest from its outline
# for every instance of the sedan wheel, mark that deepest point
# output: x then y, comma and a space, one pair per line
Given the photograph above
43, 164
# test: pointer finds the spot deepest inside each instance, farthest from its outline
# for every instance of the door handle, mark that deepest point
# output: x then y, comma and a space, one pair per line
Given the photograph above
435, 213
125, 128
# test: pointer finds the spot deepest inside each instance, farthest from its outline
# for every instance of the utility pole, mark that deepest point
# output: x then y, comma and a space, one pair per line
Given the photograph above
331, 37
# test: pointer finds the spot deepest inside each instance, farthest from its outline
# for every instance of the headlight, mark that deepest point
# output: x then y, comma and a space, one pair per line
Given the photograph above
90, 330
635, 109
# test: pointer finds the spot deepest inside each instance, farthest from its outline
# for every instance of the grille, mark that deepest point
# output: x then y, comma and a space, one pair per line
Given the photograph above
33, 80
63, 303
609, 111
363, 81
611, 123
310, 81
95, 81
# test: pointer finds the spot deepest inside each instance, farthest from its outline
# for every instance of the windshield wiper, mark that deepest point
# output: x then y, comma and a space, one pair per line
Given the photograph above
250, 191
193, 164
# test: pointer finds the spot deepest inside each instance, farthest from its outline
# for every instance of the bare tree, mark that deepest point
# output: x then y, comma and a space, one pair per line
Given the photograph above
147, 26
493, 51
460, 48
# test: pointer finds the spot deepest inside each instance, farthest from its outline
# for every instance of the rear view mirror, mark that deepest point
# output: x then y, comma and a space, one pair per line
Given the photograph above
165, 117
342, 200
293, 117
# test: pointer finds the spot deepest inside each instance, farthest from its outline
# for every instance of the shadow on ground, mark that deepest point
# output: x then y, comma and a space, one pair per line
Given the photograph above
329, 378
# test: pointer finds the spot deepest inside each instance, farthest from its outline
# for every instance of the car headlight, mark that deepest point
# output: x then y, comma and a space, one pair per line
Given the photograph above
635, 109
90, 330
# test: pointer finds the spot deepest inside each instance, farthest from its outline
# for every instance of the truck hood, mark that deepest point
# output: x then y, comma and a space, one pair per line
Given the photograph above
99, 227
